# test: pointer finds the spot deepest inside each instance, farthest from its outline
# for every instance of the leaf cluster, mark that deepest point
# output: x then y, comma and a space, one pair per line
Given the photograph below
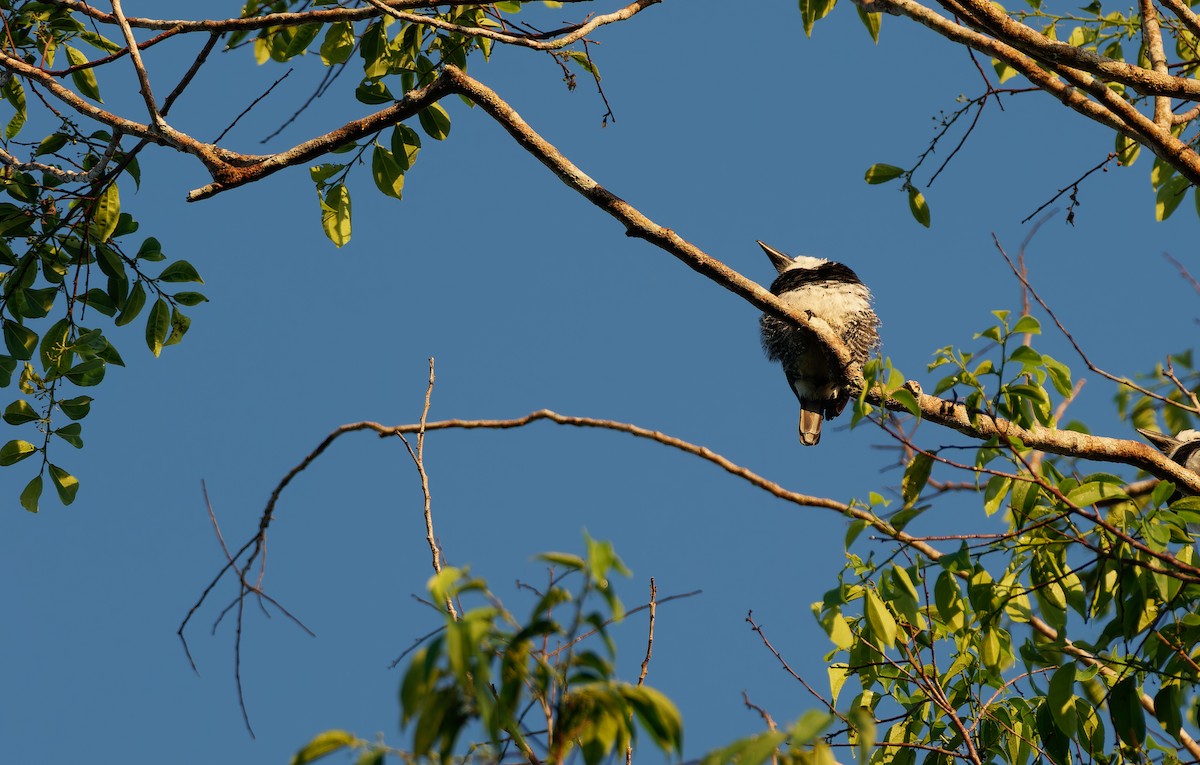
524, 685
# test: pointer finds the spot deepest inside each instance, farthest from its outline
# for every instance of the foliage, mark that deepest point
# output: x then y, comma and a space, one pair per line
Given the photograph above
1052, 639
486, 671
72, 269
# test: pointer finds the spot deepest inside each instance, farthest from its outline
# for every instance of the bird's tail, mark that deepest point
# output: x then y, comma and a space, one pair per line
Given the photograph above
811, 415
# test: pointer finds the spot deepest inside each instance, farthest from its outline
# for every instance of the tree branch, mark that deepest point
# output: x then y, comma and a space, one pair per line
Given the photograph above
575, 34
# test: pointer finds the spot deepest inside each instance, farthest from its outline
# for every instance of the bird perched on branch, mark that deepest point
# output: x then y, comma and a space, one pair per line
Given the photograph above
1183, 449
831, 292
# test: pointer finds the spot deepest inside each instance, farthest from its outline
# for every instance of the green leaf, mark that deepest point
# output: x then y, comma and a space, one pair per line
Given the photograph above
915, 477
31, 494
1127, 149
338, 43
76, 408
64, 483
1170, 194
71, 434
20, 340
50, 144
133, 305
373, 92
373, 48
812, 11
1167, 703
322, 744
84, 79
435, 121
20, 412
908, 401
918, 206
566, 560
189, 298
1004, 71
180, 271
1054, 743
1092, 492
881, 621
179, 327
99, 41
150, 250
386, 172
997, 490
55, 351
36, 304
405, 145
872, 21
1125, 708
335, 214
658, 716
15, 451
8, 365
1061, 698
109, 261
1060, 375
810, 725
87, 373
863, 721
881, 173
158, 323
14, 93
1027, 325
304, 34
106, 213
99, 299
322, 173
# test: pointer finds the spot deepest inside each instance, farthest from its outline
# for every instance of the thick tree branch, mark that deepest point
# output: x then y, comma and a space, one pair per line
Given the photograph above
1152, 34
997, 23
249, 168
1114, 112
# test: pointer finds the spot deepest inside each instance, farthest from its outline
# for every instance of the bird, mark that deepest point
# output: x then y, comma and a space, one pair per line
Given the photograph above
832, 292
1183, 448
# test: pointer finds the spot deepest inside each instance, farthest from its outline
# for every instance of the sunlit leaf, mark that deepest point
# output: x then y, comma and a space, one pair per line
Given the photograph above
322, 744
84, 79
31, 494
158, 323
335, 214
15, 451
435, 121
918, 206
65, 484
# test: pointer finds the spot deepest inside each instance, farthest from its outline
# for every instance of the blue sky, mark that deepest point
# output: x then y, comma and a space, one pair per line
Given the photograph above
731, 127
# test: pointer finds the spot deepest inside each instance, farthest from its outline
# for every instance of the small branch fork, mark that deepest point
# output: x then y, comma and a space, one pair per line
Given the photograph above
418, 458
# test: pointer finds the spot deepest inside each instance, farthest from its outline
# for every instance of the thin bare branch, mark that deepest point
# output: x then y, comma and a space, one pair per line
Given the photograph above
576, 34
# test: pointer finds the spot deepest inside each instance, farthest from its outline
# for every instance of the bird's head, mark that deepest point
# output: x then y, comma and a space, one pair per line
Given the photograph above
782, 261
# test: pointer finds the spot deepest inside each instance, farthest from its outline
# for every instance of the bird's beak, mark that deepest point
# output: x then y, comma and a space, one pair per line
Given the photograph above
1161, 441
780, 260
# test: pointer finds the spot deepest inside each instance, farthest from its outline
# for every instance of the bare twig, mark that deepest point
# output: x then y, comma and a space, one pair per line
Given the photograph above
653, 604
253, 103
418, 458
1072, 187
1183, 271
